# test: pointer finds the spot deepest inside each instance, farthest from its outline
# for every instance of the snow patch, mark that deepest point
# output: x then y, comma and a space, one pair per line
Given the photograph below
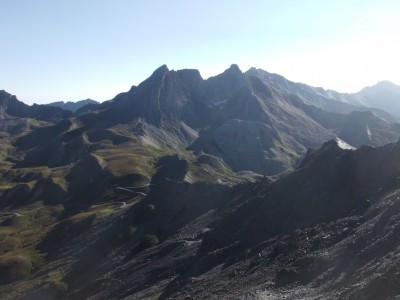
218, 103
368, 132
344, 145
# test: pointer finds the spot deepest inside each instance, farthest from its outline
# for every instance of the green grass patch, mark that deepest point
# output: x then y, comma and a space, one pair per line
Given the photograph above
123, 161
9, 244
14, 268
66, 230
148, 241
127, 233
61, 182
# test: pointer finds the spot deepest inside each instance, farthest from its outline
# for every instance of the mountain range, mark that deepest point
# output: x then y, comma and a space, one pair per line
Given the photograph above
241, 185
72, 106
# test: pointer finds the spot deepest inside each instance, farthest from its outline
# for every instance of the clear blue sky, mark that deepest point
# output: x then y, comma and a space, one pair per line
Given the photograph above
75, 49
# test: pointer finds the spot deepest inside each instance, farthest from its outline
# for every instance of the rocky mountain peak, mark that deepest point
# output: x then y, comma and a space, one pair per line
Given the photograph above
384, 94
189, 74
160, 71
233, 72
5, 97
329, 151
383, 89
335, 145
234, 68
10, 105
386, 83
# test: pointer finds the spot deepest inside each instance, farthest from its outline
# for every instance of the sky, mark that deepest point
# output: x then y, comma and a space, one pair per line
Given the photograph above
77, 49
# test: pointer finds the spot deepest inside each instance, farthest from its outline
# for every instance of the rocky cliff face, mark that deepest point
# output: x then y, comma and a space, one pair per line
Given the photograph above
10, 106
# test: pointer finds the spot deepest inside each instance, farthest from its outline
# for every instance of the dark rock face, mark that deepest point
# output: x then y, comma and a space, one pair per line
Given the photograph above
170, 168
11, 106
244, 143
164, 96
88, 180
16, 195
321, 231
330, 183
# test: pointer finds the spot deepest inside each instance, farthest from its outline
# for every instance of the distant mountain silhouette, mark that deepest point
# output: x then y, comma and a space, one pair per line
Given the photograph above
327, 100
72, 106
384, 95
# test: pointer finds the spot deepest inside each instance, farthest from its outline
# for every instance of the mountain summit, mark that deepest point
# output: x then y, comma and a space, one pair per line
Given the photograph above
385, 95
